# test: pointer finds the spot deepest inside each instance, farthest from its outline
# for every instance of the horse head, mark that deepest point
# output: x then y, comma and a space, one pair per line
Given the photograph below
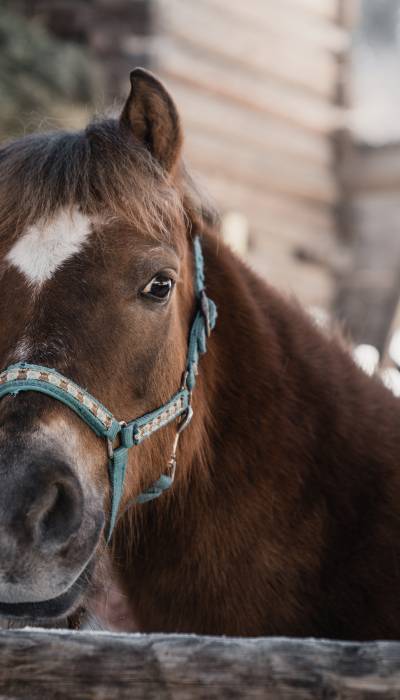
96, 282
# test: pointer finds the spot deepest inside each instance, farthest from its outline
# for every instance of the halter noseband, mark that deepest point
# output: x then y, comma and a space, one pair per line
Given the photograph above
26, 377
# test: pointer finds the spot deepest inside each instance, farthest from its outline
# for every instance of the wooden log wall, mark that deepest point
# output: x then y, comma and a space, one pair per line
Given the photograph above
257, 85
44, 665
369, 293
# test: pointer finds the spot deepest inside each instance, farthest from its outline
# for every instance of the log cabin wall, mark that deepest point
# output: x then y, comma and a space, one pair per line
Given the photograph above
258, 86
368, 294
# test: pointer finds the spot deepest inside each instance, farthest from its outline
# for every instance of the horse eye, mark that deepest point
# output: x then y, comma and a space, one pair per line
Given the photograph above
159, 288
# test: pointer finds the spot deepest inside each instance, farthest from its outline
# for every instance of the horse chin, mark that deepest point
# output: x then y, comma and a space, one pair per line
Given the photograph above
65, 610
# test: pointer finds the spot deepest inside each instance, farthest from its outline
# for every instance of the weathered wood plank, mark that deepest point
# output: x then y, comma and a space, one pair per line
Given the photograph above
271, 97
322, 8
286, 217
311, 284
253, 48
288, 21
368, 294
67, 666
348, 13
375, 169
216, 115
209, 153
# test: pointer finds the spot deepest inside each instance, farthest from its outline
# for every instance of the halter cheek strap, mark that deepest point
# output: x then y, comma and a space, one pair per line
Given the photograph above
27, 377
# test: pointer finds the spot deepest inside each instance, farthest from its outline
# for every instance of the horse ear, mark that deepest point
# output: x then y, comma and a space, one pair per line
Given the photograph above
152, 117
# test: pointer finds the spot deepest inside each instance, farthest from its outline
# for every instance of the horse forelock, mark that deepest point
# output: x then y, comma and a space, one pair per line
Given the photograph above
97, 170
59, 190
75, 198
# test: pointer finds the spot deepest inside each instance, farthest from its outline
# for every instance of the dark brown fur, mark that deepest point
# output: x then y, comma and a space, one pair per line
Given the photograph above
284, 517
289, 523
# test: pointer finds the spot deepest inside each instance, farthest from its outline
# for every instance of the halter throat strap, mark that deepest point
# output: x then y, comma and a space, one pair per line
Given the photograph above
23, 376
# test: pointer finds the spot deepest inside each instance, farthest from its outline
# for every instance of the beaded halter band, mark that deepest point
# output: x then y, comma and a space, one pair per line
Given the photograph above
26, 377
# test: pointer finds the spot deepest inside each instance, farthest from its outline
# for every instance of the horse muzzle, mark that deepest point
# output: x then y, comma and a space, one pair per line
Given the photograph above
49, 531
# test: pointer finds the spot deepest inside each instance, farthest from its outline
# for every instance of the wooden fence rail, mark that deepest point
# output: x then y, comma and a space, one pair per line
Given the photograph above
40, 664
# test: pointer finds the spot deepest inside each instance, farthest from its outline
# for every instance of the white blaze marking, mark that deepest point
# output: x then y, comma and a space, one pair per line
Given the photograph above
42, 249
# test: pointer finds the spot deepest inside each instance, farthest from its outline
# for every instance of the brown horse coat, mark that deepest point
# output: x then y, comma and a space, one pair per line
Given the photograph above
284, 516
288, 520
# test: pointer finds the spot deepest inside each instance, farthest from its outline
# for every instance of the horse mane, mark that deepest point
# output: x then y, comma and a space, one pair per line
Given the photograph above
101, 169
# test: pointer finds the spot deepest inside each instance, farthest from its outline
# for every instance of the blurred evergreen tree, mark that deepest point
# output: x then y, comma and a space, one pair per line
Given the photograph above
38, 73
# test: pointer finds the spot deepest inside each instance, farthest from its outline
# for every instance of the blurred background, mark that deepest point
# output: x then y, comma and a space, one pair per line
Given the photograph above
291, 115
290, 111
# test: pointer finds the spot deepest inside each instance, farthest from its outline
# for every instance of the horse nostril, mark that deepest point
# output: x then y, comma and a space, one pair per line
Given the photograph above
59, 513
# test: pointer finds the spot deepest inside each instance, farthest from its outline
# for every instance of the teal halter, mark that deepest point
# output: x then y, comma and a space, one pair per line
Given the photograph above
26, 377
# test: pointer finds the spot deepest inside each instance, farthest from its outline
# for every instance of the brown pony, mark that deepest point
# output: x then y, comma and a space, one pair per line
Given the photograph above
284, 517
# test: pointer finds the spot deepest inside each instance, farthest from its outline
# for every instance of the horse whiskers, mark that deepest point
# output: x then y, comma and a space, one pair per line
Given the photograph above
74, 621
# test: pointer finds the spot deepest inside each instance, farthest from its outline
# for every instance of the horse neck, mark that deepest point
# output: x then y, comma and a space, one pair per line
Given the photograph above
235, 388
273, 440
272, 394
274, 389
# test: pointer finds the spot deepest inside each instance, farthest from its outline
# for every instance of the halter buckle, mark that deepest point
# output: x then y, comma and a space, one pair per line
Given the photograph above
171, 464
110, 448
110, 443
205, 310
